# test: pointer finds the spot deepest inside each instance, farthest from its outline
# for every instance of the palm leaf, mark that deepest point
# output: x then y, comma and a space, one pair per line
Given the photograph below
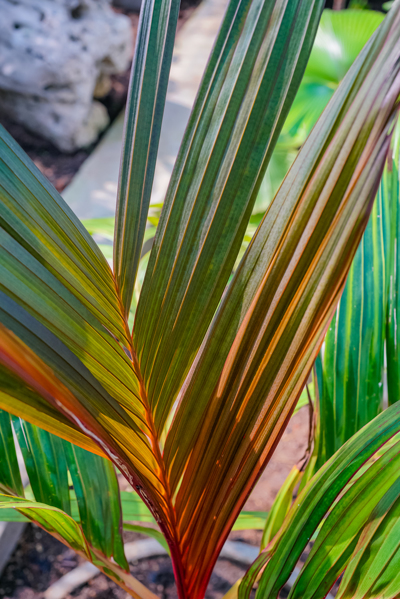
145, 108
341, 501
241, 105
10, 478
272, 320
194, 451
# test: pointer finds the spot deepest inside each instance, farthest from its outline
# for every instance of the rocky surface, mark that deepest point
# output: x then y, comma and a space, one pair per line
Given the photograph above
55, 56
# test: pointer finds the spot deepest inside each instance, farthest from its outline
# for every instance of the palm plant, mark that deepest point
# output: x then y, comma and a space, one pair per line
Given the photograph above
190, 404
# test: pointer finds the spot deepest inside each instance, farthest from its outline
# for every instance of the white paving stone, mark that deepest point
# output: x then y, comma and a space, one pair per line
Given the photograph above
92, 193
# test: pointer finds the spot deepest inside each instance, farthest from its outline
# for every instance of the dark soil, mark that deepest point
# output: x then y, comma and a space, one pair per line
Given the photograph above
38, 561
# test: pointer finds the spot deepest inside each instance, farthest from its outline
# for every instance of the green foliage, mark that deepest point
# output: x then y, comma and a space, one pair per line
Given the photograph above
349, 498
189, 398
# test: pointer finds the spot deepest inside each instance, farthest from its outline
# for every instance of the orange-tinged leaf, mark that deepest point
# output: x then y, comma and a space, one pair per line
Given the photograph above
271, 322
18, 359
253, 73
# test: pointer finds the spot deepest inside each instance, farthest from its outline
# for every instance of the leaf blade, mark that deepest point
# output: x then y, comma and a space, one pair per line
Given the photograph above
319, 495
265, 357
240, 109
145, 108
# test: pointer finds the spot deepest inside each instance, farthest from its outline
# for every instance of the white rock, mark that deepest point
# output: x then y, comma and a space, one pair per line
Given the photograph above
52, 53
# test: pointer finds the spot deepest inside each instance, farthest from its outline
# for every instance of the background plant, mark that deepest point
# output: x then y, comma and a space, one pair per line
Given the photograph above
191, 405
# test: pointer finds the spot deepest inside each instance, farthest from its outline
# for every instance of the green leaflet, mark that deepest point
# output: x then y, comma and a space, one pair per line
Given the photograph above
51, 519
134, 509
12, 515
144, 113
375, 564
280, 507
390, 189
338, 536
350, 378
104, 227
250, 521
150, 532
240, 109
96, 489
10, 478
45, 464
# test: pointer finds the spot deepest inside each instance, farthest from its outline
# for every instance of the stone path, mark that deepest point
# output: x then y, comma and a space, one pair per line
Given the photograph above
92, 193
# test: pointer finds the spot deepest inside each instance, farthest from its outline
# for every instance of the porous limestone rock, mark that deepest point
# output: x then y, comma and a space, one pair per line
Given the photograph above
52, 55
